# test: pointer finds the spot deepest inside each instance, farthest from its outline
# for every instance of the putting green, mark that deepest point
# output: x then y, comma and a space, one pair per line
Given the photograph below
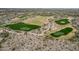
62, 21
62, 32
22, 26
22, 17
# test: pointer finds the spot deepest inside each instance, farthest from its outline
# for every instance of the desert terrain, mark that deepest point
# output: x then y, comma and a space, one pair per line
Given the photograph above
39, 29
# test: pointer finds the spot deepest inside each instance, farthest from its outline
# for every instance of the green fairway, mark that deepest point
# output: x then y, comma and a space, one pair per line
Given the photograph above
62, 32
62, 21
22, 26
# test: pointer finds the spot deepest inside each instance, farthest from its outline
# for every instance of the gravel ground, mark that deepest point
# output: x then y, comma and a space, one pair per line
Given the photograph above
27, 42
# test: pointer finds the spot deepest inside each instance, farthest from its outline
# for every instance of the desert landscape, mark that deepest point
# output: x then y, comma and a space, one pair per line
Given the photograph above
39, 29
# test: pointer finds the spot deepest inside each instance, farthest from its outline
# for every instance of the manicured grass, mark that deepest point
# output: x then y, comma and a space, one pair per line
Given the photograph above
62, 21
23, 17
62, 32
22, 26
